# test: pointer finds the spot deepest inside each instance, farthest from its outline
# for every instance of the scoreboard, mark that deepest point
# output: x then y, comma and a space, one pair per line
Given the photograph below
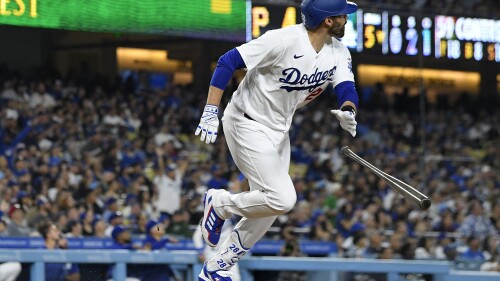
462, 37
390, 33
214, 19
455, 38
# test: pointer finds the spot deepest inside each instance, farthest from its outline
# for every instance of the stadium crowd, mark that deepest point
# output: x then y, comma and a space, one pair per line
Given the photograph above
98, 158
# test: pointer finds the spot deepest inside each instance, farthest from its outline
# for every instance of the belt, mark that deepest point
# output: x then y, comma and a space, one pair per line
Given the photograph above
248, 117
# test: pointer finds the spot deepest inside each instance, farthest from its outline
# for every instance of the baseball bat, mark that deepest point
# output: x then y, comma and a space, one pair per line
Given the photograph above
407, 191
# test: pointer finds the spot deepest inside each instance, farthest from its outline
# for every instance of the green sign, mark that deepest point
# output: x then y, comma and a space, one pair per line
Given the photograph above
221, 19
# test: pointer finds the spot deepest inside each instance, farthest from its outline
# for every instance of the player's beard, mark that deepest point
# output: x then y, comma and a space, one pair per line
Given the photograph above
337, 30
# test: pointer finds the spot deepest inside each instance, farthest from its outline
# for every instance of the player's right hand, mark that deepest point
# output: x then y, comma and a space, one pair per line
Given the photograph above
209, 124
347, 120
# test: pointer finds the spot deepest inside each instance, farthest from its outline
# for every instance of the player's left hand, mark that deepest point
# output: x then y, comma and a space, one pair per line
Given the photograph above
209, 124
347, 120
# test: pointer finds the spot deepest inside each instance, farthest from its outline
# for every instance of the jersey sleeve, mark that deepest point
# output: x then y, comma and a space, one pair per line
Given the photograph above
344, 68
262, 51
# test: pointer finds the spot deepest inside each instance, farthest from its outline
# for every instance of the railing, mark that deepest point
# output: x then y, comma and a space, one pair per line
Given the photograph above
321, 268
329, 268
117, 258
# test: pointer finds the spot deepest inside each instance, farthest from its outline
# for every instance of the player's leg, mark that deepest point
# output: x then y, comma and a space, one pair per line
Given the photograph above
262, 155
246, 233
9, 271
249, 230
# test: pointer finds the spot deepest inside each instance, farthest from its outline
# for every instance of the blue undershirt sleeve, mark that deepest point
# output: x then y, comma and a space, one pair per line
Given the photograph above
346, 92
226, 66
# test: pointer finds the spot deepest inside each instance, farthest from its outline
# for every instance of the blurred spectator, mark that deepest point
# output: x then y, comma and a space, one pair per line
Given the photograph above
195, 208
473, 251
347, 219
491, 265
446, 223
477, 224
3, 227
17, 225
443, 243
140, 224
111, 207
491, 247
122, 239
495, 215
396, 242
155, 240
87, 219
168, 182
114, 220
74, 229
54, 240
356, 245
387, 252
40, 213
321, 229
218, 181
99, 227
425, 249
291, 248
375, 240
144, 201
40, 97
179, 224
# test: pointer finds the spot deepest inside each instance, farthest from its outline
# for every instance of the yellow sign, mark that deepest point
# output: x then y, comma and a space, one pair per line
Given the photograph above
435, 81
17, 8
220, 6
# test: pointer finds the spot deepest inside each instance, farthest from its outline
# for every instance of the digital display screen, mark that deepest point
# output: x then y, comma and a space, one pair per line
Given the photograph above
393, 33
431, 36
469, 38
219, 19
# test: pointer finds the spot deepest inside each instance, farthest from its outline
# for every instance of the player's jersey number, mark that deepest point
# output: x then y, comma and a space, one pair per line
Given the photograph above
314, 94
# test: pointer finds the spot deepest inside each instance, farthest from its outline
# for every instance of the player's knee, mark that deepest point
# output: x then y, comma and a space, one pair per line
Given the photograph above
289, 202
285, 203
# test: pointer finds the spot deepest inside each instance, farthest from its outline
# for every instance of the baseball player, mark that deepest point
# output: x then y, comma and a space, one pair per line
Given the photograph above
286, 69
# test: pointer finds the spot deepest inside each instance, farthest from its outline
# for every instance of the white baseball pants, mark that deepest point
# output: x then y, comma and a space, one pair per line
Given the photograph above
263, 156
9, 271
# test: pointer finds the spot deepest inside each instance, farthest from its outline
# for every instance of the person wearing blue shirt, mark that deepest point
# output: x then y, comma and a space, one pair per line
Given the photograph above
217, 181
54, 240
156, 240
347, 220
473, 251
122, 240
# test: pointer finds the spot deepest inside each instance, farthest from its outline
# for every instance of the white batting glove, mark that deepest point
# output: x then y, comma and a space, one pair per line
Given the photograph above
347, 120
209, 124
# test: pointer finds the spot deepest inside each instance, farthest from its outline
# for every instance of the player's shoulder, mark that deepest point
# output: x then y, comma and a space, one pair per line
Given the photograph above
339, 47
337, 44
288, 32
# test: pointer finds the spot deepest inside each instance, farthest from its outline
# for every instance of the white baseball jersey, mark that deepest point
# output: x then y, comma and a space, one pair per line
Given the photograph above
285, 73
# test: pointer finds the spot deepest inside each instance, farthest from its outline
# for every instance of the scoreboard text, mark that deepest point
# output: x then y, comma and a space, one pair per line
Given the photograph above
390, 33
